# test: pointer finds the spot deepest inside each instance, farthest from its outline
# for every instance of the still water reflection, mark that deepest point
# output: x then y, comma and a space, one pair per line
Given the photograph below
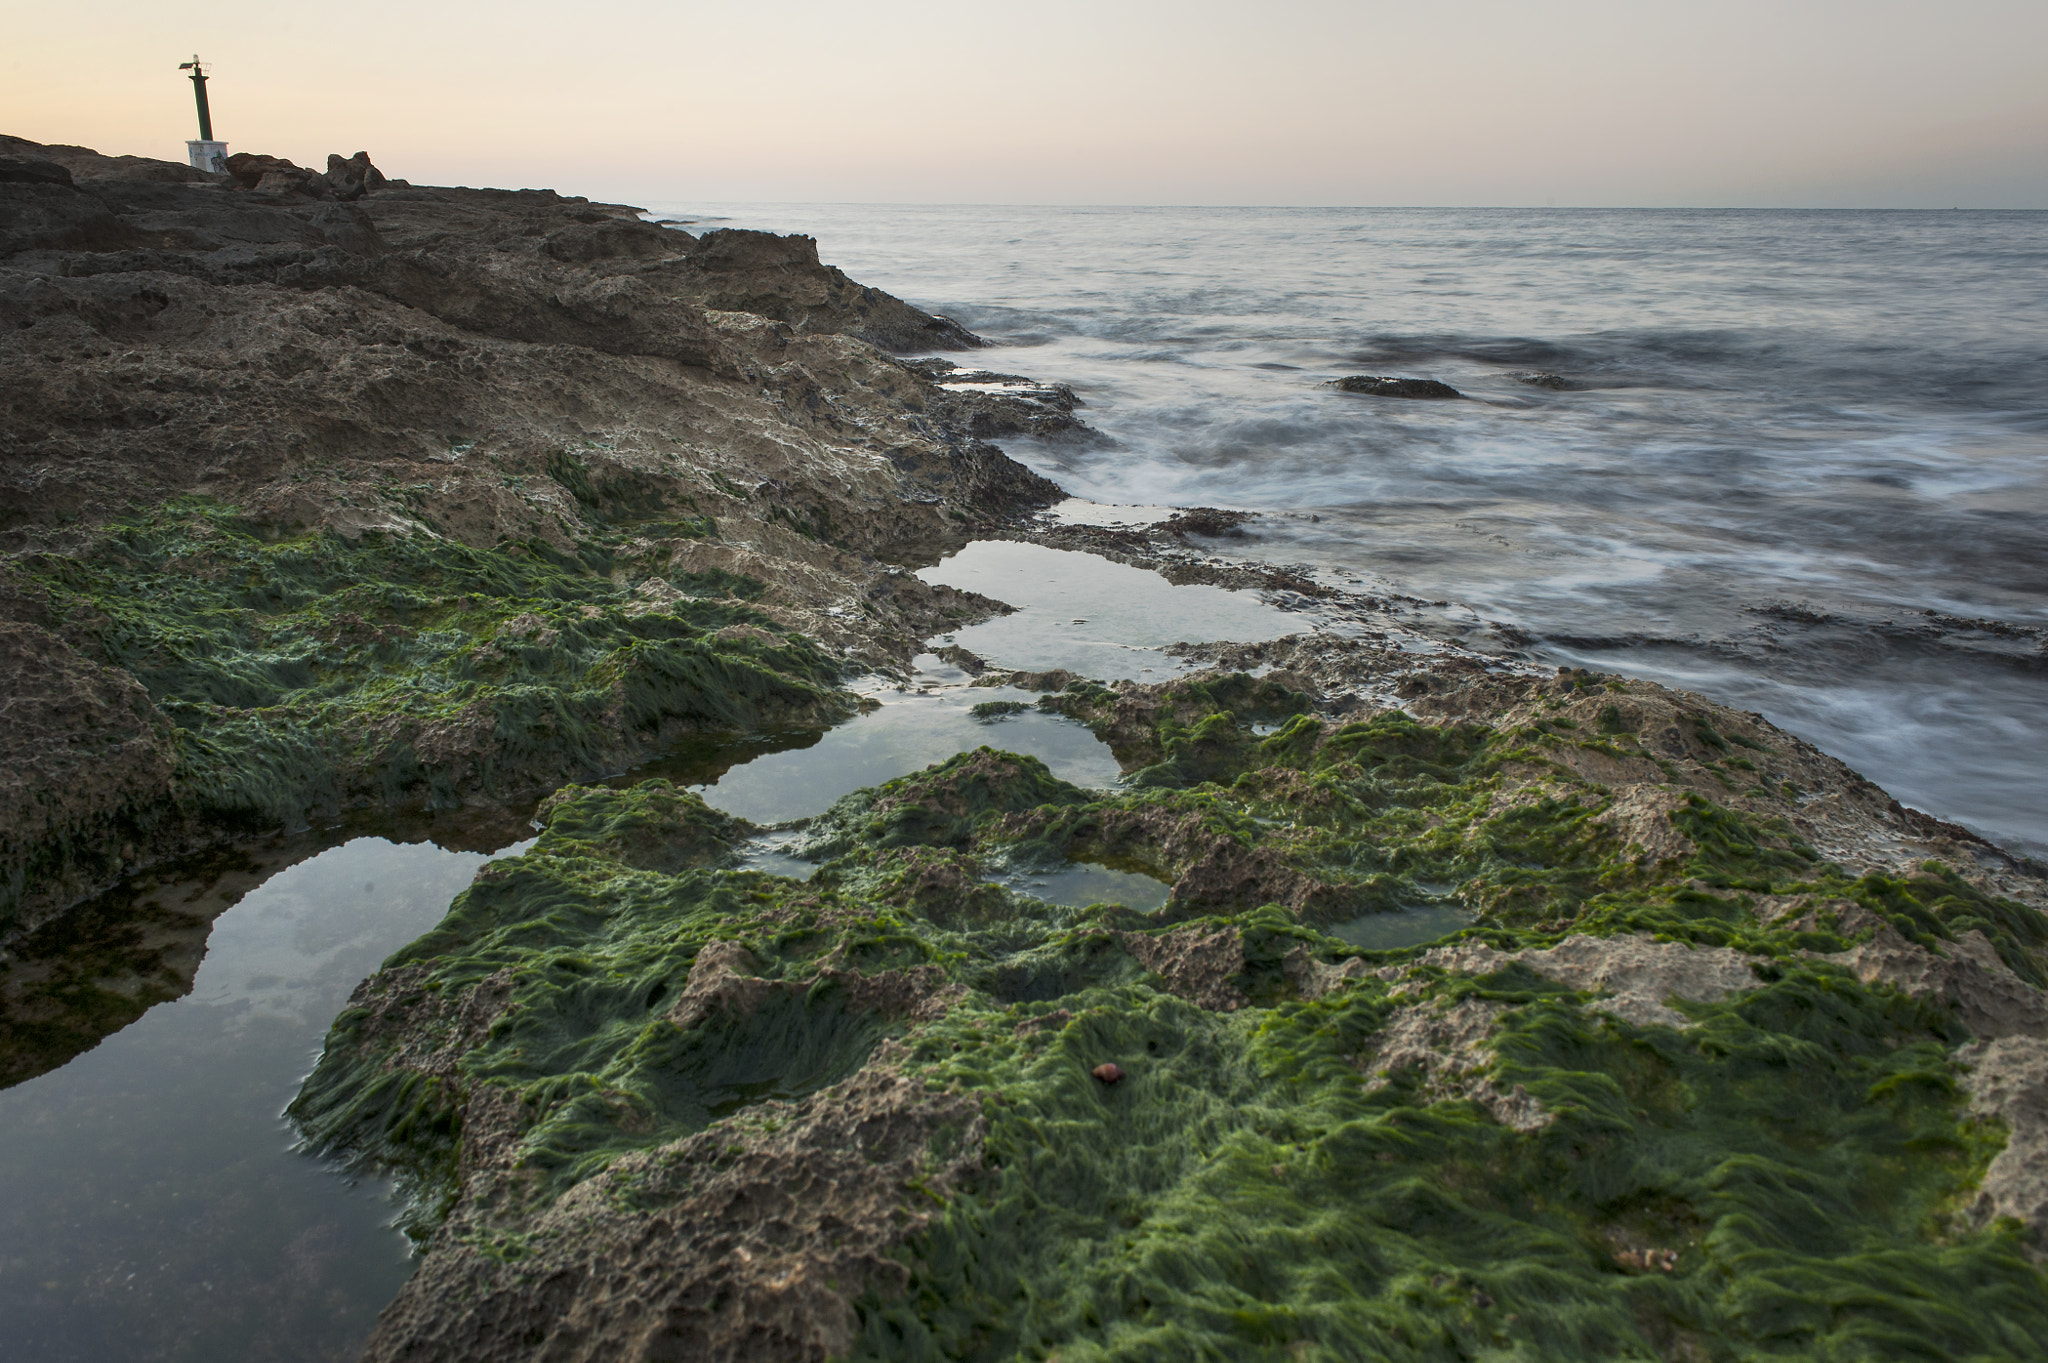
151, 1206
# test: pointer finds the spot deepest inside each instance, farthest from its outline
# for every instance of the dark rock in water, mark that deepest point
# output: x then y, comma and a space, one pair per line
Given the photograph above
1556, 383
1208, 522
1381, 386
970, 663
986, 405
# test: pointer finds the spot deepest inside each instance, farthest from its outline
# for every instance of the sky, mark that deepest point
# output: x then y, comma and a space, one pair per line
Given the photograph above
1795, 103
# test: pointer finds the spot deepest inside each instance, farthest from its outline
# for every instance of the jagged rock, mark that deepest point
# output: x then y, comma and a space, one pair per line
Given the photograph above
1990, 999
744, 1242
85, 759
41, 209
1198, 964
587, 243
743, 250
349, 228
1312, 978
276, 175
352, 177
780, 278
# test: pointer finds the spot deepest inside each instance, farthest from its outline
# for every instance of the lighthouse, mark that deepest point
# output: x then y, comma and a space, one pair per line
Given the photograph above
205, 154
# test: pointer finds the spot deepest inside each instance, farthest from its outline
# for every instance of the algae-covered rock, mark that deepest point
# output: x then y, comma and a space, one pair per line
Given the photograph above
1724, 1101
437, 494
262, 681
651, 827
86, 763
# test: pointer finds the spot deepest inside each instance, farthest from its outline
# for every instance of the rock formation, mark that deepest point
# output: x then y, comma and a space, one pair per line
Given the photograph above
494, 396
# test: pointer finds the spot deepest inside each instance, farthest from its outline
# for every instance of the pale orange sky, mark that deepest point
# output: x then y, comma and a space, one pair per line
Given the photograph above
1577, 102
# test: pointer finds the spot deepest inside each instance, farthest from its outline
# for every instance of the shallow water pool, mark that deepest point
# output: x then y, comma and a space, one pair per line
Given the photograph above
151, 1203
927, 720
1402, 928
1094, 616
1079, 884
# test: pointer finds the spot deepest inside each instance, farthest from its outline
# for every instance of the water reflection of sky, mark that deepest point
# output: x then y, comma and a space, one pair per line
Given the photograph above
926, 721
1093, 616
151, 1205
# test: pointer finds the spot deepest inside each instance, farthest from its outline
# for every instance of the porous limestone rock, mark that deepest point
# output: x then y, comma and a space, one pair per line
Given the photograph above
2007, 1079
1633, 976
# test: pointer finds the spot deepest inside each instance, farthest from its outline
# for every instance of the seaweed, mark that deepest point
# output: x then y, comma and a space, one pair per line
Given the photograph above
306, 673
1262, 1173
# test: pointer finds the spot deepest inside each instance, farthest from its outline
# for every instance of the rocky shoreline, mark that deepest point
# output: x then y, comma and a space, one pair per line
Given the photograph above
330, 495
431, 499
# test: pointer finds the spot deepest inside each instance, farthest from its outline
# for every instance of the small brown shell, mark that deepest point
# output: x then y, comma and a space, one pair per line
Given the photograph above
1109, 1072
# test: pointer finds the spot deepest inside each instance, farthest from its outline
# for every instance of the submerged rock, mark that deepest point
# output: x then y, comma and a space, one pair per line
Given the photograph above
1381, 386
1207, 521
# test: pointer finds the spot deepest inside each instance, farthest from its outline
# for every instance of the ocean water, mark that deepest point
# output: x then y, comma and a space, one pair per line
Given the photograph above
1801, 463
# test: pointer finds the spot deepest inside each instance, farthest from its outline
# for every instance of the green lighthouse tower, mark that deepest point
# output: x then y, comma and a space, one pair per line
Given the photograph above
205, 153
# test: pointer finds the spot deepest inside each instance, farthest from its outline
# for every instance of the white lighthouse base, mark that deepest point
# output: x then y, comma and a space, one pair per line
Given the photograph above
211, 156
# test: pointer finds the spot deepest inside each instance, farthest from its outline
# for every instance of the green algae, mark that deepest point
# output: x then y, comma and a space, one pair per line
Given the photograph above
1786, 1177
1242, 1194
304, 673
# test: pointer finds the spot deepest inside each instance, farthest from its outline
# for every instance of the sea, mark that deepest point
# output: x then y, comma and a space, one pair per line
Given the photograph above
1796, 461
